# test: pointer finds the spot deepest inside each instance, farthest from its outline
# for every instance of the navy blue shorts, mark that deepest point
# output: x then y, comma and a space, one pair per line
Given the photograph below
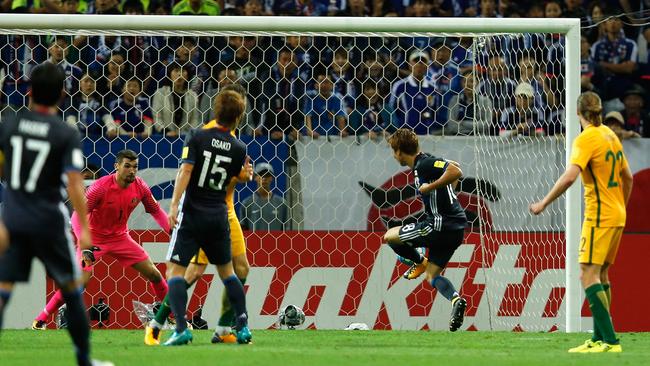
54, 249
207, 231
441, 244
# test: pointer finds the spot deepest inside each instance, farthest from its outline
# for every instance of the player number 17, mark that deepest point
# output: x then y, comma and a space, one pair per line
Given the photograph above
42, 149
214, 168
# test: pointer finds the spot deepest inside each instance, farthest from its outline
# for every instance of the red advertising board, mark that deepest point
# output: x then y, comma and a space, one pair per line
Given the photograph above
511, 281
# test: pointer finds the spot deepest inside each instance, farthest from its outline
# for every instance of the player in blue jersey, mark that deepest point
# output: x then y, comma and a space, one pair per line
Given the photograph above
443, 228
39, 153
211, 157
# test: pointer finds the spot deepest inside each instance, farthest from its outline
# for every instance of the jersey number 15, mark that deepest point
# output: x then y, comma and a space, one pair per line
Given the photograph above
218, 174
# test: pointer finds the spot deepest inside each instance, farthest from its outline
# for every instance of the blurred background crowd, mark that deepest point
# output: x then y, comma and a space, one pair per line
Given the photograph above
333, 87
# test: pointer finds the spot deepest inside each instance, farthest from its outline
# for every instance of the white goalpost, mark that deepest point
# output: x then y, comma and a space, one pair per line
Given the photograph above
337, 188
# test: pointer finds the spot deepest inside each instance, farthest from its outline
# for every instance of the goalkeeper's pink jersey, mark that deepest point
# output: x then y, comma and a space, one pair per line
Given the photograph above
109, 206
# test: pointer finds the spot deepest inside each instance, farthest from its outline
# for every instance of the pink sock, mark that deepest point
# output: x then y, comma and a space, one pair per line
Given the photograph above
52, 306
160, 288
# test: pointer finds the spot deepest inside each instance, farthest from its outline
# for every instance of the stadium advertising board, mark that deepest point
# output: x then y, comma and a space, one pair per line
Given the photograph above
513, 281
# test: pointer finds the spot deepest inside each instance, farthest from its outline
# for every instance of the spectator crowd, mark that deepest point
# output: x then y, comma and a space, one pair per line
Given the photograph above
139, 86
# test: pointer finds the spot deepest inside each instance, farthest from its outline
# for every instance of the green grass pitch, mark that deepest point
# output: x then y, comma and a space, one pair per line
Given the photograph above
322, 347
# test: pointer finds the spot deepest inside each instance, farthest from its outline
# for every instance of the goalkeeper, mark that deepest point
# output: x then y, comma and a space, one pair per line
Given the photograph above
111, 200
199, 263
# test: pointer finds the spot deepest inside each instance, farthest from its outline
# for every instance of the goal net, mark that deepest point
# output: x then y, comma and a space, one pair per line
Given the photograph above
321, 102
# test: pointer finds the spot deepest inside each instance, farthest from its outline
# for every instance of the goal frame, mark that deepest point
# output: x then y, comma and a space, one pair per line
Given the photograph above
570, 28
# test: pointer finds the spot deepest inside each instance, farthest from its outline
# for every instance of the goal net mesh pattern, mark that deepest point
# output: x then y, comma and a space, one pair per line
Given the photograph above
320, 106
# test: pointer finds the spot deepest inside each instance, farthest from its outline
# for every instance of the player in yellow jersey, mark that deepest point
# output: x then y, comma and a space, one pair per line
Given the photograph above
199, 262
598, 156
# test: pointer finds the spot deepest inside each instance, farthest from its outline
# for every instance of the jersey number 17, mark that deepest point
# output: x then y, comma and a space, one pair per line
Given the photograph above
42, 149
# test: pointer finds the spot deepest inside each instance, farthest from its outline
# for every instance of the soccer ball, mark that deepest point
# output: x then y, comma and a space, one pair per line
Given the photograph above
409, 262
291, 317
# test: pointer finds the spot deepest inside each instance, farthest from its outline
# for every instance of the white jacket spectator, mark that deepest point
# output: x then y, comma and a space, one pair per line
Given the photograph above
167, 116
175, 108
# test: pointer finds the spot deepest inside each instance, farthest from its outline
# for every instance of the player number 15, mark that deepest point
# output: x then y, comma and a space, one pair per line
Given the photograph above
214, 168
